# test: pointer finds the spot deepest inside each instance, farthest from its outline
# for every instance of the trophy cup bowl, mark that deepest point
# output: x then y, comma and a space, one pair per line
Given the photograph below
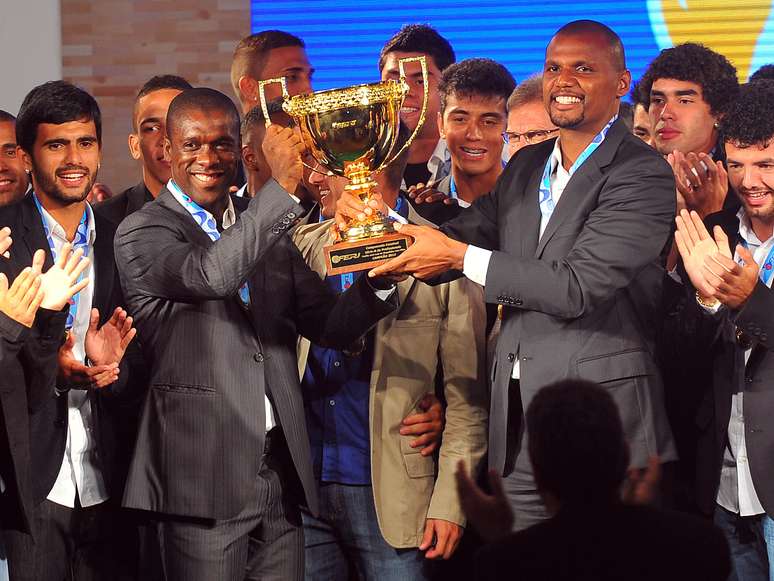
353, 132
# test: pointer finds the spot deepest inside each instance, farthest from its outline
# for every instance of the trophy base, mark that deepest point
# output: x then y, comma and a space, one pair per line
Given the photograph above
345, 257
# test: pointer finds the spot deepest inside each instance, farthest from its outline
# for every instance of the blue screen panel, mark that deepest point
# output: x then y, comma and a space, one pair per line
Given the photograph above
344, 38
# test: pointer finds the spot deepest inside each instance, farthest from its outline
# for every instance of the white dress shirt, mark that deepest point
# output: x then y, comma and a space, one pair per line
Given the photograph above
79, 473
741, 498
476, 261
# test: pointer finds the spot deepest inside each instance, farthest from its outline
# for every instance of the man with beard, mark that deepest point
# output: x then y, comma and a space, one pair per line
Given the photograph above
13, 178
731, 305
569, 243
77, 439
146, 144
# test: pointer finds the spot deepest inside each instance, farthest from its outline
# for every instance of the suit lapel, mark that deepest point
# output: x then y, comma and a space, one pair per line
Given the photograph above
104, 266
529, 216
33, 237
582, 181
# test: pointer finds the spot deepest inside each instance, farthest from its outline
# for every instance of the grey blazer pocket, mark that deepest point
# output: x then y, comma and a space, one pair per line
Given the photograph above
184, 388
615, 366
417, 466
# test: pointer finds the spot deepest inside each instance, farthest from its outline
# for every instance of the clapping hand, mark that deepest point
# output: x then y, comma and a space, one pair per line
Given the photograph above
60, 282
732, 283
491, 514
75, 374
20, 302
702, 184
107, 345
696, 247
5, 242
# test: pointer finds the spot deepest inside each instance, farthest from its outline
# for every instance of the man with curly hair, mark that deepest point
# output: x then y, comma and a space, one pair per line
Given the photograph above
687, 89
731, 304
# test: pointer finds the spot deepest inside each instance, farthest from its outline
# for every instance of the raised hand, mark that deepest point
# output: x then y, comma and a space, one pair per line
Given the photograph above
20, 302
733, 283
5, 242
75, 374
491, 514
696, 245
283, 148
107, 345
60, 282
427, 426
701, 182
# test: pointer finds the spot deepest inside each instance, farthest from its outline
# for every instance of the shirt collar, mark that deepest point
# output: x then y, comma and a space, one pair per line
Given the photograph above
556, 159
746, 230
439, 156
229, 215
56, 229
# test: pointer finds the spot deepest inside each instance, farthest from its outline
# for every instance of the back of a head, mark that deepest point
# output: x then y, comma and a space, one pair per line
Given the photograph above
765, 72
201, 99
576, 443
420, 38
55, 102
530, 90
160, 82
694, 63
748, 120
6, 117
252, 51
476, 77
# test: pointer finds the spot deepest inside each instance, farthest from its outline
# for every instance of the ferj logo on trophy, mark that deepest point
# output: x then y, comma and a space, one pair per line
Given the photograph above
353, 132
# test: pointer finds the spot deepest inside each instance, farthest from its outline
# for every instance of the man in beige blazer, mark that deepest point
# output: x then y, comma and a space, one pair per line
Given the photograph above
382, 501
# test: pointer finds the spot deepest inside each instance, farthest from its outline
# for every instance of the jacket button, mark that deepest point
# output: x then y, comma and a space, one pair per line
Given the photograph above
258, 357
764, 337
519, 302
748, 379
511, 357
291, 215
286, 220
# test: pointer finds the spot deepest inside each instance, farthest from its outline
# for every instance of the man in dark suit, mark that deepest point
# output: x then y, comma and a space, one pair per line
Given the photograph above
220, 295
146, 144
579, 276
728, 314
79, 432
578, 449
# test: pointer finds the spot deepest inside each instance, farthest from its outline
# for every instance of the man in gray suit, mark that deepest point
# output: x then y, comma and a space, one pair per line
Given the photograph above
579, 276
220, 294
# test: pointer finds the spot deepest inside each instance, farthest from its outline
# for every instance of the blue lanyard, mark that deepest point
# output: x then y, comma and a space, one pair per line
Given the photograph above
81, 241
546, 201
206, 222
767, 268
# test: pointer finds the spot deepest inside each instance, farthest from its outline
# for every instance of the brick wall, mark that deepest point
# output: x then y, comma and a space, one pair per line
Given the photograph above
111, 47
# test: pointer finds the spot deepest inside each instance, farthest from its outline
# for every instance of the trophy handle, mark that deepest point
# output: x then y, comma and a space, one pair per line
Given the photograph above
422, 60
262, 93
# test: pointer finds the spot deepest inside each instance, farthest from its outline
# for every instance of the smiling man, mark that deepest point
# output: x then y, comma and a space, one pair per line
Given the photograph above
568, 243
220, 295
13, 179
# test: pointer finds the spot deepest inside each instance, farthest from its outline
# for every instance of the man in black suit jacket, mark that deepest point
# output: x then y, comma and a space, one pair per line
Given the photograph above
579, 284
579, 453
220, 295
728, 313
80, 432
146, 144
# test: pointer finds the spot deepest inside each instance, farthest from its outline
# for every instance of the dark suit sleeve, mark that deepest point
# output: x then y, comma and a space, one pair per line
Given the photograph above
755, 317
155, 259
39, 353
330, 320
625, 232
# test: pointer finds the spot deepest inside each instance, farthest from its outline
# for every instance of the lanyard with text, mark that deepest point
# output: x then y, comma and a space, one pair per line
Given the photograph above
546, 201
206, 222
81, 241
767, 268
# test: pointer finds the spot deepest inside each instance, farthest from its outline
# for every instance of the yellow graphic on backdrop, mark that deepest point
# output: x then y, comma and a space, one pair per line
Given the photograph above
732, 28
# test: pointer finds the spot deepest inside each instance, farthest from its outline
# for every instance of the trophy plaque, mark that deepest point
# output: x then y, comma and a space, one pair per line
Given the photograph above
353, 132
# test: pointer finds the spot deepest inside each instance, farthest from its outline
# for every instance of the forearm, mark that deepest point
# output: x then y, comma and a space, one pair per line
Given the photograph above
155, 259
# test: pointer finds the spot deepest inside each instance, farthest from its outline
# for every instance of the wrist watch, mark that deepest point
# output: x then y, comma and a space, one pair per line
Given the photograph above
710, 305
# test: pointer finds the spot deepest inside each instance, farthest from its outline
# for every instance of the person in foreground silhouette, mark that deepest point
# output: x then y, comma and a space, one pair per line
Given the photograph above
600, 528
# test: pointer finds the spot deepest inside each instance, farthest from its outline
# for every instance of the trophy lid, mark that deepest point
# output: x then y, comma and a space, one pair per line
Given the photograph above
353, 96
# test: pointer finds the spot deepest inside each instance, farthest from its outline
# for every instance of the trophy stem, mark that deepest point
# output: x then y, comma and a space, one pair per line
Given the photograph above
361, 184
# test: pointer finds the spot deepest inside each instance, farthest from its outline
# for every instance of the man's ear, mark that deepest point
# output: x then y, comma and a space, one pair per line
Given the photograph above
26, 158
441, 130
134, 146
167, 149
248, 157
248, 90
624, 84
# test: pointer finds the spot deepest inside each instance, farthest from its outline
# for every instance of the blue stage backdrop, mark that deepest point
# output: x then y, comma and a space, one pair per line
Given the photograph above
344, 38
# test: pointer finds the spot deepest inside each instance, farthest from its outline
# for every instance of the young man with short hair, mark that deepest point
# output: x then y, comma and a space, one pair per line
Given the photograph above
429, 158
146, 144
13, 179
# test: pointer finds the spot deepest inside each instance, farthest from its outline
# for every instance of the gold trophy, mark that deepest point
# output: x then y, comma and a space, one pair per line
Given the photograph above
352, 132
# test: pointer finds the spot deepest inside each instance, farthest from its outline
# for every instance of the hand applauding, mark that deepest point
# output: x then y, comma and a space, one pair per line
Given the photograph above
60, 282
20, 302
